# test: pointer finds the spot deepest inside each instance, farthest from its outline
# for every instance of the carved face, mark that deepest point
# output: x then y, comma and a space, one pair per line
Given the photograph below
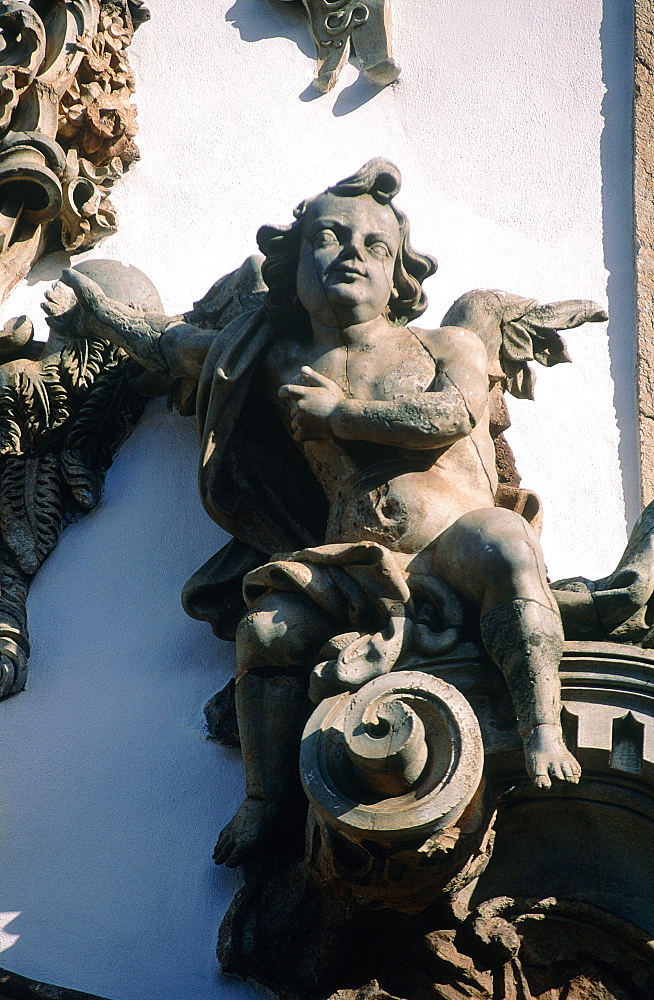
347, 258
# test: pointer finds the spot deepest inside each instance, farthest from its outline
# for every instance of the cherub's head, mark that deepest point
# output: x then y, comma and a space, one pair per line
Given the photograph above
316, 258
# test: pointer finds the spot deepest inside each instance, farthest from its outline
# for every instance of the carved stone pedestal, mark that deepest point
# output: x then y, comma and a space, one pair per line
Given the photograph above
401, 892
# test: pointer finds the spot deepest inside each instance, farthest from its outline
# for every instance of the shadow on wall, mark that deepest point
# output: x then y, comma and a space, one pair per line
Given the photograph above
258, 19
616, 154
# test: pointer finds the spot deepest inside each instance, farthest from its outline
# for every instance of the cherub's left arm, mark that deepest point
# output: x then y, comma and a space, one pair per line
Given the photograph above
447, 412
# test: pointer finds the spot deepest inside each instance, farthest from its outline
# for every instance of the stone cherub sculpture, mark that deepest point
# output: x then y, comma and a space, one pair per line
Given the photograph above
351, 457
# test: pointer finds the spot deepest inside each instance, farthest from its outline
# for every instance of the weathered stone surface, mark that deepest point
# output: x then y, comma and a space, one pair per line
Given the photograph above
66, 125
644, 235
65, 407
363, 26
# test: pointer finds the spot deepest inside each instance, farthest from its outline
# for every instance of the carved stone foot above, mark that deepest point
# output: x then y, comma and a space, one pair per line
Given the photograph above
338, 26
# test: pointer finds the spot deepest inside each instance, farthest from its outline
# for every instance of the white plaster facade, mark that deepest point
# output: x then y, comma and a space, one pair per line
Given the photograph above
511, 125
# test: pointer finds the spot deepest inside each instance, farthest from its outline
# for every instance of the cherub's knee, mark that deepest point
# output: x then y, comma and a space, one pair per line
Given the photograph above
261, 640
511, 558
492, 556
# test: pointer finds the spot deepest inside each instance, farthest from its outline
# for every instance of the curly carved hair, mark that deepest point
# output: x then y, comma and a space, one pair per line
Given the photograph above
281, 246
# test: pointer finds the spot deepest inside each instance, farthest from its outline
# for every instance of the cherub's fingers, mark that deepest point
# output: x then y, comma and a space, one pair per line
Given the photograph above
223, 848
58, 300
314, 378
58, 322
86, 290
292, 391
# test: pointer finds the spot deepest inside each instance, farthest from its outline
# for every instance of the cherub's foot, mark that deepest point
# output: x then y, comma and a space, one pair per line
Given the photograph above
251, 824
548, 757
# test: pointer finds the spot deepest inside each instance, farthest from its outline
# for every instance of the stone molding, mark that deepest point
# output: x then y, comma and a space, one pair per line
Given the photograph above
644, 236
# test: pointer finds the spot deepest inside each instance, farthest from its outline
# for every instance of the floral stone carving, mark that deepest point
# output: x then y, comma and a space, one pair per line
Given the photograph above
383, 569
339, 26
67, 125
65, 407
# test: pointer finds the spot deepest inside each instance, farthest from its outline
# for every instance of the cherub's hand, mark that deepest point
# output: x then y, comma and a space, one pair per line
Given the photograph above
74, 311
58, 300
97, 312
315, 404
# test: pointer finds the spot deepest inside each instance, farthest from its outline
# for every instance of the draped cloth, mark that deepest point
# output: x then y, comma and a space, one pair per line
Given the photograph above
379, 610
253, 480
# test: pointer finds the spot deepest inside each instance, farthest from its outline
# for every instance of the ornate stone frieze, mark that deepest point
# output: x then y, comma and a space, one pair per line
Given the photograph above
67, 125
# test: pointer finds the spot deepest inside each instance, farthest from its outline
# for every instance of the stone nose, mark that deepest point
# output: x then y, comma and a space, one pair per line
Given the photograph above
354, 249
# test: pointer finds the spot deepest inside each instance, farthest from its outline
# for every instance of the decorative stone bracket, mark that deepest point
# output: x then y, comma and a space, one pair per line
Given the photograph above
338, 26
66, 125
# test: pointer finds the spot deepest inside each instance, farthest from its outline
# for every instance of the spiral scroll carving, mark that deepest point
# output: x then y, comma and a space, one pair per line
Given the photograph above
396, 761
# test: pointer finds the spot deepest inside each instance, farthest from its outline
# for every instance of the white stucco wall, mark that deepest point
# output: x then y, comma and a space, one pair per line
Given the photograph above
511, 127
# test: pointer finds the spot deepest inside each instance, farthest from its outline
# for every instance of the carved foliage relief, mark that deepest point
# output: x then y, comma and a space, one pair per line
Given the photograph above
67, 125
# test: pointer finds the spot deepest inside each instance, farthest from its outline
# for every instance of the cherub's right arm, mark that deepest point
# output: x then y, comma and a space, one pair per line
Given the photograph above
162, 344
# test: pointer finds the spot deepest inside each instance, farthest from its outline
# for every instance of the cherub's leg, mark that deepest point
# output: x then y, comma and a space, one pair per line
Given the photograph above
592, 608
276, 645
372, 44
495, 560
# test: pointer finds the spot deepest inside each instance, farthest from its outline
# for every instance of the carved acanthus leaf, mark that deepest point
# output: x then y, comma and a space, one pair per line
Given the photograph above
30, 508
62, 417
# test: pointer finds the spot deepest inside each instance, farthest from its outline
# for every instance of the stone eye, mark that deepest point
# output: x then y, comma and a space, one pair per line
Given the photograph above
324, 237
379, 249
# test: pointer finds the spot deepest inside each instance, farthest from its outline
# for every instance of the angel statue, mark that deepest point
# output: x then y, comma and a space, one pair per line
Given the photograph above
352, 457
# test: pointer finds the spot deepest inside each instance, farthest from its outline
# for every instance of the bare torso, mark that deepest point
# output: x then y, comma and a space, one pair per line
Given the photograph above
401, 497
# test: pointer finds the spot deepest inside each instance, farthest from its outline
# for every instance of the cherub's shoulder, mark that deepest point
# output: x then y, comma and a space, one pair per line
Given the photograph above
453, 343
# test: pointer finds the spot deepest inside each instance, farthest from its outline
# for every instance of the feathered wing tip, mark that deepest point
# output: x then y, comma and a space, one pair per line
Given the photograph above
516, 330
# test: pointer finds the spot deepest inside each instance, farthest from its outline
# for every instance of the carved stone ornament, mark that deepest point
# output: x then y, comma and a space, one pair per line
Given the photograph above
65, 407
67, 125
453, 713
363, 26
